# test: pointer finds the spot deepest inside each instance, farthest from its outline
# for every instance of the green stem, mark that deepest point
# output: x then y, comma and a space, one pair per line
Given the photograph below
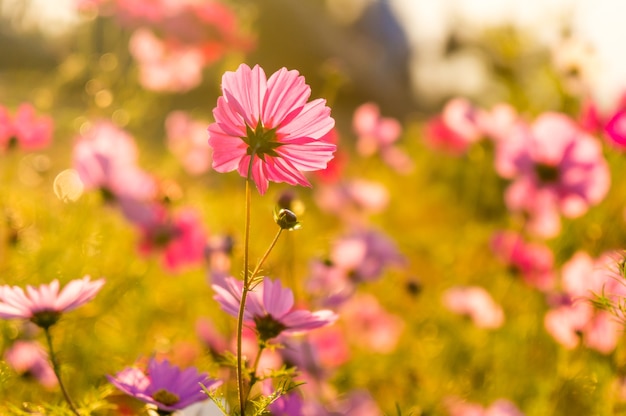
57, 372
266, 255
256, 364
242, 305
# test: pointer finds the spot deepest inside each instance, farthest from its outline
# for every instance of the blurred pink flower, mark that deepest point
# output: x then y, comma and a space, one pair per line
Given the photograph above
25, 130
455, 129
556, 168
615, 129
270, 308
186, 139
498, 123
218, 254
180, 237
370, 325
533, 261
362, 256
270, 122
575, 317
329, 284
352, 199
44, 305
476, 303
210, 337
611, 124
105, 158
365, 255
164, 385
374, 133
318, 353
165, 66
210, 26
501, 407
29, 358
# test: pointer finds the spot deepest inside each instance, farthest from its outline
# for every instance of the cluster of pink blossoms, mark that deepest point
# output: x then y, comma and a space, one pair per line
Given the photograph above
555, 167
106, 159
173, 41
377, 135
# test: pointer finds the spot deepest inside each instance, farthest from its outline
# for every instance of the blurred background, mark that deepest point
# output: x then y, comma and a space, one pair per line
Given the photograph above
136, 63
407, 55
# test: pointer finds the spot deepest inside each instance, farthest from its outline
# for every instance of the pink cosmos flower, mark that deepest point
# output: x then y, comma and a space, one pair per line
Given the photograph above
165, 66
179, 237
164, 385
267, 124
370, 325
329, 284
575, 317
105, 158
29, 359
270, 308
611, 124
498, 123
318, 353
214, 341
533, 261
352, 200
365, 255
556, 168
455, 129
362, 256
476, 303
374, 133
25, 130
44, 305
186, 139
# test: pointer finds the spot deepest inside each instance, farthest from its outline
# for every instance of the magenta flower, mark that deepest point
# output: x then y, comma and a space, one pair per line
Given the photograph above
164, 385
29, 359
180, 237
268, 125
44, 305
533, 261
270, 308
555, 168
25, 130
455, 129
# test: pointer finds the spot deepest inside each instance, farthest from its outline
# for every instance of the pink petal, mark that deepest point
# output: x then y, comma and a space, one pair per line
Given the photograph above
286, 92
245, 90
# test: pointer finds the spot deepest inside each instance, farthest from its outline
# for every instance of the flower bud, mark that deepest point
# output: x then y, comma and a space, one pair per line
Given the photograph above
286, 219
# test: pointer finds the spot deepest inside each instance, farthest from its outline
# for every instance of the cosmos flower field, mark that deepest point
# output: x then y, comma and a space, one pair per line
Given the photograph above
187, 231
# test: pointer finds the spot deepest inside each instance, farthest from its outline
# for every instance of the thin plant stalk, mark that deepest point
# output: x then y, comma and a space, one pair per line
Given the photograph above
57, 372
266, 255
244, 295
